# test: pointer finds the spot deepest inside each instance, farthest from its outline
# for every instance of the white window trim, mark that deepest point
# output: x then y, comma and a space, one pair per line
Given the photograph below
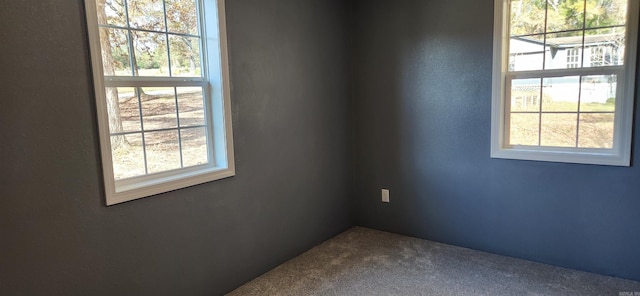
619, 155
219, 113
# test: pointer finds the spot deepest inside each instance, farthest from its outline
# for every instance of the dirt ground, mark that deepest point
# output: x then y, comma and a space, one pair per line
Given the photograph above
184, 144
593, 130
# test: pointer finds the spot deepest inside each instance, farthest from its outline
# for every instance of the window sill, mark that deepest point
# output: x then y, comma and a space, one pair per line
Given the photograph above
565, 155
135, 188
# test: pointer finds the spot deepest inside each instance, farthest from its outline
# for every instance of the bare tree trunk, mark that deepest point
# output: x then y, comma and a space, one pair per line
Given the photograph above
134, 56
113, 107
192, 59
134, 59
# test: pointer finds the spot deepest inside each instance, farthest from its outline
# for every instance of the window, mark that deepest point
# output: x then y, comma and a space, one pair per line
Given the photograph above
162, 94
563, 80
573, 57
604, 56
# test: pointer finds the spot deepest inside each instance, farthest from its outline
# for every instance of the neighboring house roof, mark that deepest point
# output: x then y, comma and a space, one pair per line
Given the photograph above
573, 41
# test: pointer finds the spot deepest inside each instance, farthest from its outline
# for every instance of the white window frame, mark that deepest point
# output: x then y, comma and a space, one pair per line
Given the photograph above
619, 154
217, 110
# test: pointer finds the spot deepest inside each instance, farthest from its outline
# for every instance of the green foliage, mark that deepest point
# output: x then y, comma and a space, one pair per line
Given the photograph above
120, 58
569, 14
528, 16
148, 62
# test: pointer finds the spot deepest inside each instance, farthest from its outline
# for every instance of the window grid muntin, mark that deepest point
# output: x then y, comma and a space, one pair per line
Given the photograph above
139, 82
166, 29
580, 78
179, 128
549, 73
542, 74
545, 32
620, 155
166, 129
175, 97
614, 52
110, 26
166, 32
216, 59
565, 31
144, 143
544, 44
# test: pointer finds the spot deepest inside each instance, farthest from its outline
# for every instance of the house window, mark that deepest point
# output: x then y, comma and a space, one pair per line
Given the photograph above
162, 94
604, 56
573, 57
573, 108
597, 56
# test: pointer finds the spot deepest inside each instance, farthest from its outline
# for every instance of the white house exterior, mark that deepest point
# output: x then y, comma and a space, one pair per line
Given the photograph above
530, 53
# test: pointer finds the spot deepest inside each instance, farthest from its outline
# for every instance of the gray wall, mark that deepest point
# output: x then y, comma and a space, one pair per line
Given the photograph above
289, 74
420, 106
422, 115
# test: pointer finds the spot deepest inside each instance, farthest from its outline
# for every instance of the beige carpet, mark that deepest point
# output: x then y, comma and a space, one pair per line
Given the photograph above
363, 261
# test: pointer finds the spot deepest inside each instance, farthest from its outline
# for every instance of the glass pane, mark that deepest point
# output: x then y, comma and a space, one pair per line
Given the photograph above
598, 93
563, 50
526, 53
194, 146
122, 107
565, 15
151, 57
190, 106
527, 17
185, 56
525, 94
524, 129
601, 13
596, 131
127, 156
146, 14
558, 130
163, 151
182, 16
115, 52
560, 93
112, 13
604, 47
158, 108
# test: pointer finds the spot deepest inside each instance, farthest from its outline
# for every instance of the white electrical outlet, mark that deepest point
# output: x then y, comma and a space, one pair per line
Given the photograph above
385, 195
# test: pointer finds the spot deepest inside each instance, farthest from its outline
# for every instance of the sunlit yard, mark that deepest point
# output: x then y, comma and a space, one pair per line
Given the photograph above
560, 125
166, 146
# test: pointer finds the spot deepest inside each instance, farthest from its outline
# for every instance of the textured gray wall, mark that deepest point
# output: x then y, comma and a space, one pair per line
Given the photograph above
421, 109
422, 117
289, 73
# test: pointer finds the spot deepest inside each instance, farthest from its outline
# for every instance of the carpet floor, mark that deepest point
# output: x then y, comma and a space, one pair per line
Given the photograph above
363, 261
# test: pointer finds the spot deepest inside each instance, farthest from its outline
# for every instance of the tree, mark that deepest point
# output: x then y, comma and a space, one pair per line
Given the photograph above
528, 16
147, 47
605, 13
182, 18
113, 104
